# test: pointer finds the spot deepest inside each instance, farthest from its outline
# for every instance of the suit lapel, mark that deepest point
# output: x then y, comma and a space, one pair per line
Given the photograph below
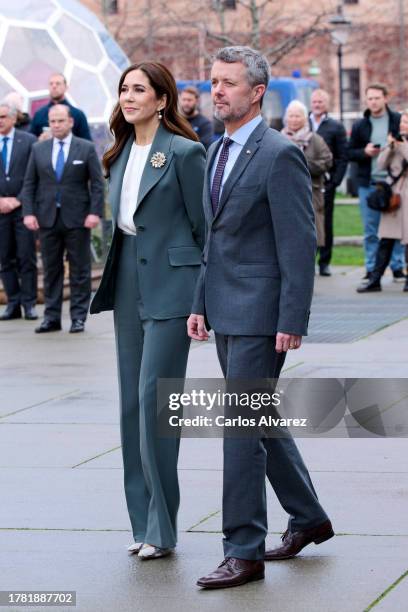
15, 150
248, 151
47, 152
73, 151
151, 175
212, 154
116, 178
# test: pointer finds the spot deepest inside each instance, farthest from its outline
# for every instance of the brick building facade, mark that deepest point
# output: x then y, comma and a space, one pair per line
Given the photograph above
184, 33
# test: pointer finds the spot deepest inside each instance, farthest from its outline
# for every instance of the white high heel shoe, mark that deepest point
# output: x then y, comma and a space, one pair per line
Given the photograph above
134, 548
153, 552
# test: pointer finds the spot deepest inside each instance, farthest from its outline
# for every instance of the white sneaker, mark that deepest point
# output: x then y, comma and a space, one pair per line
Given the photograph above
153, 552
134, 548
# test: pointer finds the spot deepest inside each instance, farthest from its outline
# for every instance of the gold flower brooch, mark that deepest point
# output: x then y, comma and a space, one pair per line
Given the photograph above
158, 159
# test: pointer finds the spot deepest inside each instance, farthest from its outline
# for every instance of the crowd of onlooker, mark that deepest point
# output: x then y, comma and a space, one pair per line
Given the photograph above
49, 160
378, 145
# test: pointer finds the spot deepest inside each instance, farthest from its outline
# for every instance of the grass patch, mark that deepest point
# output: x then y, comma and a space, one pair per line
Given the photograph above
340, 195
347, 221
347, 256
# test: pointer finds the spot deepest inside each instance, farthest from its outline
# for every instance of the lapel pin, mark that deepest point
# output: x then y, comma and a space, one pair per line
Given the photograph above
248, 152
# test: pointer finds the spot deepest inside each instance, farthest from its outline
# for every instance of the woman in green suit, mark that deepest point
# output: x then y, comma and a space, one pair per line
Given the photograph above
156, 171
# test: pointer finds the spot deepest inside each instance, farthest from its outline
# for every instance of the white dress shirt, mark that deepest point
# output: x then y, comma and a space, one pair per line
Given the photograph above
130, 187
10, 141
316, 123
239, 138
56, 148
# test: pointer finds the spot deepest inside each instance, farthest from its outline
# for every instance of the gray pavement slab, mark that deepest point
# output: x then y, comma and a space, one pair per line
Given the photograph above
85, 499
394, 595
345, 574
44, 445
74, 406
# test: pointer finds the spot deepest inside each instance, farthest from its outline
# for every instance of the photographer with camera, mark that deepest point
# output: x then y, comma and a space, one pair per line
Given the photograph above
393, 223
368, 138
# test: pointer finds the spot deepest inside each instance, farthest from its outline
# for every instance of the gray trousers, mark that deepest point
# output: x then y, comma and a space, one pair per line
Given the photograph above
248, 461
147, 349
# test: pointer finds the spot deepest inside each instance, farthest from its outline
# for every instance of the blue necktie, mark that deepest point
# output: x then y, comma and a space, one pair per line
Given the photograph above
59, 166
219, 172
4, 153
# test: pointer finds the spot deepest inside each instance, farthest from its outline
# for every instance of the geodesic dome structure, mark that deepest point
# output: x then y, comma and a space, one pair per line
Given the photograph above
40, 37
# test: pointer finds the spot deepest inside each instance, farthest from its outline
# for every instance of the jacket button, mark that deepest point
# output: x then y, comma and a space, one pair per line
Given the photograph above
140, 228
143, 261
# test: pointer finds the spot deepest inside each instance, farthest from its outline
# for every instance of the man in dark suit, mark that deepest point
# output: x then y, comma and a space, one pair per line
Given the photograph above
18, 265
334, 135
255, 290
57, 88
63, 197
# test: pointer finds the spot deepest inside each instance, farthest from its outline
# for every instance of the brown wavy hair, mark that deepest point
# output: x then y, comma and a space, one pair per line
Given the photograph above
163, 83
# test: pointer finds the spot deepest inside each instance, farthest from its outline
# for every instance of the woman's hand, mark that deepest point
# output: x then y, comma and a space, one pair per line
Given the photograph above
391, 140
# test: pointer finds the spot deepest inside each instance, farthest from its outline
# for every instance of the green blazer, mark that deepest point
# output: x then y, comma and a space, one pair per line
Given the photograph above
169, 222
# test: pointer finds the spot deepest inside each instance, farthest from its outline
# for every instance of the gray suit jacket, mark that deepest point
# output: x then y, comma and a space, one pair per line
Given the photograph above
258, 266
12, 183
169, 222
81, 188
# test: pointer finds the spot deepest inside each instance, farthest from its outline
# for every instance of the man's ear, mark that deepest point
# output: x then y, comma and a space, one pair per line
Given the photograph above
258, 92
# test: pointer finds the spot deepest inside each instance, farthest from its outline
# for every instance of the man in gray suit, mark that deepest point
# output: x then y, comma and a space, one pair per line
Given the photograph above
63, 197
255, 290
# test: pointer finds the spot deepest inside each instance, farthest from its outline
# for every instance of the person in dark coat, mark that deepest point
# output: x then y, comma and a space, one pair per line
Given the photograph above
334, 135
189, 103
18, 263
368, 137
58, 87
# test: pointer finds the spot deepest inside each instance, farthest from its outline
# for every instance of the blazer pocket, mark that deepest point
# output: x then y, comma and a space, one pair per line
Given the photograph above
184, 256
247, 270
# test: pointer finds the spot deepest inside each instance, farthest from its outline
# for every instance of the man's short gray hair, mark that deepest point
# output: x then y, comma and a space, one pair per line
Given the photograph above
12, 109
258, 69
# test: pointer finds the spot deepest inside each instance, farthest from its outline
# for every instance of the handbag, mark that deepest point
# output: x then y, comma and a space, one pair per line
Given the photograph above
383, 199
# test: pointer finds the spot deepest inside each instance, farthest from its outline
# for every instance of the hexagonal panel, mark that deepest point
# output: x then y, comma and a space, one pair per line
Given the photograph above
39, 10
79, 39
113, 50
5, 88
111, 75
31, 55
87, 91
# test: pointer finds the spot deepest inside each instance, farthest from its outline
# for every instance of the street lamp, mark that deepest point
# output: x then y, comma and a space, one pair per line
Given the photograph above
339, 34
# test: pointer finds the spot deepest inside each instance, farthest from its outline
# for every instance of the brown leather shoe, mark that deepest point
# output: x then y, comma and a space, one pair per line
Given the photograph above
293, 542
233, 572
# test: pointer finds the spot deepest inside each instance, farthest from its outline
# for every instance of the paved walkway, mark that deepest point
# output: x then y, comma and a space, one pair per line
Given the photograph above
63, 523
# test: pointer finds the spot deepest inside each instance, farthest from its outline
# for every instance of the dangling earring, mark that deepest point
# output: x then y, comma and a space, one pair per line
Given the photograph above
159, 114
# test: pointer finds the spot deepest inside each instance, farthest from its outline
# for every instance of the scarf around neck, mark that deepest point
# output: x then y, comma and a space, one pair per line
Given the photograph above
301, 138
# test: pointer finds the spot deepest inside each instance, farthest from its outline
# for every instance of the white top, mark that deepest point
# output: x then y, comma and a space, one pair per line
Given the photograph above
130, 187
56, 148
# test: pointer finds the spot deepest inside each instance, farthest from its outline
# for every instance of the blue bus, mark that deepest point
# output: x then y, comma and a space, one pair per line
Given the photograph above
281, 91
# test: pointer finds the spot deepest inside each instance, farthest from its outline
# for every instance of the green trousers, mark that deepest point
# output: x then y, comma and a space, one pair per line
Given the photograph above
147, 349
